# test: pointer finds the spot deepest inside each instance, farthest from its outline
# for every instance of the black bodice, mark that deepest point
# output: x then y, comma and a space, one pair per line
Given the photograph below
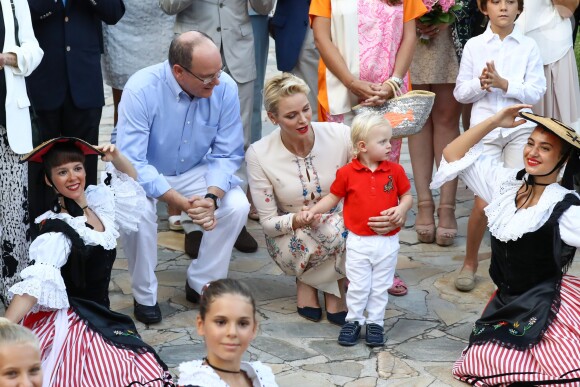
87, 272
528, 273
516, 266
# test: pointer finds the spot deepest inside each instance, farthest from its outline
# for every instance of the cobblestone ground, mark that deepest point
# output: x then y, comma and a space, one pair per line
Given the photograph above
427, 329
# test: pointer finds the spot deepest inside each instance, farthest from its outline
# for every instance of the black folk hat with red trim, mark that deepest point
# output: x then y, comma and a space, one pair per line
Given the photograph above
37, 154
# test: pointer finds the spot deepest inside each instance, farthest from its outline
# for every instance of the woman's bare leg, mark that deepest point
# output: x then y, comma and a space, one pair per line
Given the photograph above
422, 155
445, 129
116, 99
336, 304
306, 295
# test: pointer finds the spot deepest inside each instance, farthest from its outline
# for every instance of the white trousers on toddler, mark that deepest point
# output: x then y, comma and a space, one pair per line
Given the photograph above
370, 269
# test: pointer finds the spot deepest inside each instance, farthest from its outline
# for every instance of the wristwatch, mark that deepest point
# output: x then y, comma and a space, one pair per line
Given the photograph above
215, 199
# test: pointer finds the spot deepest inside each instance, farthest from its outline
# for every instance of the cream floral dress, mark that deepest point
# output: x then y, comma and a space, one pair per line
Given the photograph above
282, 183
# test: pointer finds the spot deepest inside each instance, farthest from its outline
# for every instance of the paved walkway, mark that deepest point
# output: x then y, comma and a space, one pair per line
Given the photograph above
427, 328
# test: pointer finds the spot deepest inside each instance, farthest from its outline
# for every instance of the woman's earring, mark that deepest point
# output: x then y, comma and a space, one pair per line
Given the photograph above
56, 208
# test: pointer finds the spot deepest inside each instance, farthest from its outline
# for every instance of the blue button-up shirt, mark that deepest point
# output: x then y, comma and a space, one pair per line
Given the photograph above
165, 132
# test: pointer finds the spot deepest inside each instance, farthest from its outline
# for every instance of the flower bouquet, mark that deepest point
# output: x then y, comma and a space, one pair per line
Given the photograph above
439, 12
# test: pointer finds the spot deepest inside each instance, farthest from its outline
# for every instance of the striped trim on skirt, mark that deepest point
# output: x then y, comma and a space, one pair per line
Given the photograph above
86, 359
554, 361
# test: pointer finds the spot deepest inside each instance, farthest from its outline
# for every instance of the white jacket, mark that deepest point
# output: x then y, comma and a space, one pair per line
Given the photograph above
28, 55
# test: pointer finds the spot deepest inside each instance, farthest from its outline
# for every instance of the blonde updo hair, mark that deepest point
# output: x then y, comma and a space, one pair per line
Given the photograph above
11, 333
281, 86
362, 125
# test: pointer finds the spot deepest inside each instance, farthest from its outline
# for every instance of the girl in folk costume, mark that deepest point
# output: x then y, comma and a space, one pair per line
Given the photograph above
529, 331
63, 296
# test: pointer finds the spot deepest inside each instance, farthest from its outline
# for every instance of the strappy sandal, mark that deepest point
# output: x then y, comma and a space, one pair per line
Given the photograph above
445, 236
175, 223
399, 287
425, 232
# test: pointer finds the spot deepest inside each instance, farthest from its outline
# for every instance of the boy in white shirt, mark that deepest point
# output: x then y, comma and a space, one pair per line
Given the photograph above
499, 68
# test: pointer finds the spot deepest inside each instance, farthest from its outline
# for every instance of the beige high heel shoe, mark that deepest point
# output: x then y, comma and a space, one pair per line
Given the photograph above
426, 232
445, 236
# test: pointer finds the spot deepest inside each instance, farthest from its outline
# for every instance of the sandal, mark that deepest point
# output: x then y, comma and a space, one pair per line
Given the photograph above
175, 223
465, 280
445, 236
426, 232
399, 287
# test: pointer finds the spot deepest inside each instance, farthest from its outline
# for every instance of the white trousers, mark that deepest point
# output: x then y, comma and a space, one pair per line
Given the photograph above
370, 269
216, 245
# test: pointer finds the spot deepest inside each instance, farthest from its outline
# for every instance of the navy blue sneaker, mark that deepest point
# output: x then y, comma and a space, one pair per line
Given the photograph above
349, 334
375, 336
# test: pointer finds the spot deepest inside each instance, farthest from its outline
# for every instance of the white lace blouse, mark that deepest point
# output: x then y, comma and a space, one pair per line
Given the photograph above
117, 205
195, 373
498, 186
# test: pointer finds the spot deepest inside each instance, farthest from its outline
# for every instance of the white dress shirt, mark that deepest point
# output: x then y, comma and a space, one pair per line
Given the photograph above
517, 59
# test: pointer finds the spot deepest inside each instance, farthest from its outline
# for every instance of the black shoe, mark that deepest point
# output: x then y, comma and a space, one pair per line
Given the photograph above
375, 336
349, 334
309, 313
337, 318
190, 294
246, 242
147, 314
192, 243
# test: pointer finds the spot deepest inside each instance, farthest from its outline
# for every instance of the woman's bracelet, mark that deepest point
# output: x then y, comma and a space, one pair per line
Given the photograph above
397, 80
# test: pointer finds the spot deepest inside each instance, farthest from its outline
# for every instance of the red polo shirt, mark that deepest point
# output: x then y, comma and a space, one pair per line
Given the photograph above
367, 193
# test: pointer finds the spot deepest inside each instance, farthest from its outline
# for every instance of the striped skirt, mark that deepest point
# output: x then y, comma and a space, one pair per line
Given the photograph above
554, 361
86, 359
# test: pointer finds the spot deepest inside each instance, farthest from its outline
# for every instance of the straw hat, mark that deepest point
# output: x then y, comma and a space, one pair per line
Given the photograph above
561, 130
37, 153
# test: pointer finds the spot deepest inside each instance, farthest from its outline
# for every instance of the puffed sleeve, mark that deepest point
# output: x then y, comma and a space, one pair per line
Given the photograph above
479, 172
42, 280
265, 199
569, 226
128, 198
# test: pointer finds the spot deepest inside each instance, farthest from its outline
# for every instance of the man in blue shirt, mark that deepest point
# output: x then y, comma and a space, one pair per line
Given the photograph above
179, 124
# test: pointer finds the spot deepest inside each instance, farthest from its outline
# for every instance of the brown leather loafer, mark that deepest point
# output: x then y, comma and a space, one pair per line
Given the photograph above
246, 242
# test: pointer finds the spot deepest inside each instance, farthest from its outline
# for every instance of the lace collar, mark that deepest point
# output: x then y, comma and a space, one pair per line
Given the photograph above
508, 224
99, 200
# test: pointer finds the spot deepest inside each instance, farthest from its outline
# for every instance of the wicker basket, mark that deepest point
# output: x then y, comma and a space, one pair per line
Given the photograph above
407, 112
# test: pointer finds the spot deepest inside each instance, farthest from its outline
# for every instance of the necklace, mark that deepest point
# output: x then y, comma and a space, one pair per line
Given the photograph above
220, 369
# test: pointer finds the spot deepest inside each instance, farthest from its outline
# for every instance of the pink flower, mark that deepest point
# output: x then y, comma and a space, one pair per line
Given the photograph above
429, 4
444, 4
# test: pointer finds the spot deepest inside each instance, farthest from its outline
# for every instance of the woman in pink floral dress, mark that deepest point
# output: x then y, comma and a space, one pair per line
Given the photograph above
362, 44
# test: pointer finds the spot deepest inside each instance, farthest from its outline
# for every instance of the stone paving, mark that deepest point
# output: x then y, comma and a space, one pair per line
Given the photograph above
427, 329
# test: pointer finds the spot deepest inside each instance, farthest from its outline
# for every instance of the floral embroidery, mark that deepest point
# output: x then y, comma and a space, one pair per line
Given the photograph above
297, 245
308, 166
268, 196
128, 332
479, 329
